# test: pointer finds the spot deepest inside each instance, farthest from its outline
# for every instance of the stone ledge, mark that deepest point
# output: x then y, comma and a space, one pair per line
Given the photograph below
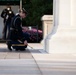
47, 17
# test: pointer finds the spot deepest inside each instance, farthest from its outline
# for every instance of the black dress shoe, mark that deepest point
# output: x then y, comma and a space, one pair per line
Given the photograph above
9, 47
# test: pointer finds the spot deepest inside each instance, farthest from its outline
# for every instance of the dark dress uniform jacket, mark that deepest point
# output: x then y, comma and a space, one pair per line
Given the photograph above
4, 14
7, 15
16, 29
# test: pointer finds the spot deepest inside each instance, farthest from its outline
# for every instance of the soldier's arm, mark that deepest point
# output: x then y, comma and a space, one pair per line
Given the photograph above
18, 24
3, 14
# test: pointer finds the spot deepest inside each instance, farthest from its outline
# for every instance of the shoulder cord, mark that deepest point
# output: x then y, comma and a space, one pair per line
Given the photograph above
15, 21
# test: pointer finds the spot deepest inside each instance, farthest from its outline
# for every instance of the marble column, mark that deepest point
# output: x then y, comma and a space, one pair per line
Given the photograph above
63, 37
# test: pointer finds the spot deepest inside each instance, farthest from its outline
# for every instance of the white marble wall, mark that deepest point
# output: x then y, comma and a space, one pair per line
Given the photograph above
73, 13
63, 37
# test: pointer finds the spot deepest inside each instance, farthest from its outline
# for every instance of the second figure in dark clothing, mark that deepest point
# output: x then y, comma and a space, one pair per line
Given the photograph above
7, 14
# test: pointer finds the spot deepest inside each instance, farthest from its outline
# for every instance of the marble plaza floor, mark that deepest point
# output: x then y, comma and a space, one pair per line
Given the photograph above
34, 61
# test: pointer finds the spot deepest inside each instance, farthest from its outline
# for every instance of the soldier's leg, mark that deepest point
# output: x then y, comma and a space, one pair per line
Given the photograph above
18, 46
4, 31
8, 42
27, 36
8, 34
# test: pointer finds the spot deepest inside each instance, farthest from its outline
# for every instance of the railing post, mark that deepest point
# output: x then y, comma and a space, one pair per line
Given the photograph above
20, 4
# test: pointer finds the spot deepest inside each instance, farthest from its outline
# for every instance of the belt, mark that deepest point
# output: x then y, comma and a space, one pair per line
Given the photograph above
13, 29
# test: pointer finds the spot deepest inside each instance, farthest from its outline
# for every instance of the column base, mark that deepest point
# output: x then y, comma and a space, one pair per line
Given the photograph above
63, 41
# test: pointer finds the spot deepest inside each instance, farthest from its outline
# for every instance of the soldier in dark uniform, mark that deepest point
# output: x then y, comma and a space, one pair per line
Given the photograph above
7, 15
16, 33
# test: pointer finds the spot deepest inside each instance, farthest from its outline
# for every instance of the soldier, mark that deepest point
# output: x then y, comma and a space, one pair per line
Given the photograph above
7, 15
16, 33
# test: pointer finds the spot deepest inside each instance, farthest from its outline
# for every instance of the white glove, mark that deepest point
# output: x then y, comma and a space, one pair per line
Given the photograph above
25, 42
7, 17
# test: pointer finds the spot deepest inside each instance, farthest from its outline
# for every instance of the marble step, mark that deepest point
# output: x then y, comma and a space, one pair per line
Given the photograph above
18, 67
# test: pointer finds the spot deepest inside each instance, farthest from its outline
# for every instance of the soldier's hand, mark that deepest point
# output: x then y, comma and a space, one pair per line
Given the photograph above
25, 42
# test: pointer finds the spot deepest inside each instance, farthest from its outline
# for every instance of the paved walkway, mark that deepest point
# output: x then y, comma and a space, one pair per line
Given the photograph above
56, 64
6, 54
35, 62
18, 67
17, 62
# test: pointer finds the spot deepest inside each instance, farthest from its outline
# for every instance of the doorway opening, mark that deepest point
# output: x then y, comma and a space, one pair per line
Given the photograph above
36, 9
